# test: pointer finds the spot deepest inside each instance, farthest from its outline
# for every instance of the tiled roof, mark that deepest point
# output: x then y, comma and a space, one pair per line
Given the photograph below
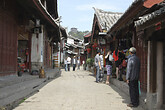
110, 18
128, 15
87, 34
70, 36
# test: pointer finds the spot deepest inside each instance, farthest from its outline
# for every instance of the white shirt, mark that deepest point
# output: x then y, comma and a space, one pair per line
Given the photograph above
65, 61
101, 60
78, 61
74, 61
69, 60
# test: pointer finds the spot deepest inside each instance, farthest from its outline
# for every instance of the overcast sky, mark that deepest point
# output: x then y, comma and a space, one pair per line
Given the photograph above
80, 14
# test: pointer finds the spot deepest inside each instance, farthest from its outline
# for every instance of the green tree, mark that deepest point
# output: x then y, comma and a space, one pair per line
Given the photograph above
79, 34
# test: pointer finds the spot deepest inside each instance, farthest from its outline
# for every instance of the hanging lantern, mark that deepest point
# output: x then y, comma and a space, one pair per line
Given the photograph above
88, 50
94, 45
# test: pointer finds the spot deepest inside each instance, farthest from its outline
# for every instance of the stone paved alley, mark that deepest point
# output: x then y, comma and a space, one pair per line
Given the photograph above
77, 90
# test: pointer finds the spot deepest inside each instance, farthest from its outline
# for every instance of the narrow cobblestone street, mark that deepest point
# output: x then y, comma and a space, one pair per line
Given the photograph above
76, 90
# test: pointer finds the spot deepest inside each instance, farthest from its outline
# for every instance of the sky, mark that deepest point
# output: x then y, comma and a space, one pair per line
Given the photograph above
80, 14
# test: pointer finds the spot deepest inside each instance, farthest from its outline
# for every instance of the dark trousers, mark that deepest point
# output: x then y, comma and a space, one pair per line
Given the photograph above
74, 66
134, 92
97, 73
68, 67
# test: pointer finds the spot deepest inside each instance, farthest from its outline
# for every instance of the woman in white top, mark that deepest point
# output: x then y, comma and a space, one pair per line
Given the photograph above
109, 60
68, 62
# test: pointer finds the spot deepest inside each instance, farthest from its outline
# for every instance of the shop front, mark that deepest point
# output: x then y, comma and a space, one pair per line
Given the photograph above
152, 29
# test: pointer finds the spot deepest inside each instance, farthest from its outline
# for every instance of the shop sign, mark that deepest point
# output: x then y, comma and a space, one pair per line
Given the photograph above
150, 16
158, 26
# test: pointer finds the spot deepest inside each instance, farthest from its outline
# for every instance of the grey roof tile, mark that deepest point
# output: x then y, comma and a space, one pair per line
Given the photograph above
110, 18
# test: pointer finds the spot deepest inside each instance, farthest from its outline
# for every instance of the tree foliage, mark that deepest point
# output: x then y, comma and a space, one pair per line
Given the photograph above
79, 34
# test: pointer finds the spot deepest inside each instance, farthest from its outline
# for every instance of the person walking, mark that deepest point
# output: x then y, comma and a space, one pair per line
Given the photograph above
68, 62
83, 63
132, 77
78, 64
74, 63
108, 59
116, 59
121, 58
98, 65
102, 65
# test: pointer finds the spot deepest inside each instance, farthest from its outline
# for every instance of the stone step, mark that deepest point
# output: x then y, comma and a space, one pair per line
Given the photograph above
16, 91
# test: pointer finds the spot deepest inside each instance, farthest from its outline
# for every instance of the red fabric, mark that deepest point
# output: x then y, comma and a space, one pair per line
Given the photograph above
94, 45
124, 63
114, 55
88, 50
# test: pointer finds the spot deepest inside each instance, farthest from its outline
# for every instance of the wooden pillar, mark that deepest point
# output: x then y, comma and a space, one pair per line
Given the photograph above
148, 67
152, 69
159, 73
151, 75
164, 73
29, 49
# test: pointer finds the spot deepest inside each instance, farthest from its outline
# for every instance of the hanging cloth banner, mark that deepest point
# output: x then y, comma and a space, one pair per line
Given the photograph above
150, 3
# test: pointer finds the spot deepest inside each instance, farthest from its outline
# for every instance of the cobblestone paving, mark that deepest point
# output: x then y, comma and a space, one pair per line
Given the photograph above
76, 90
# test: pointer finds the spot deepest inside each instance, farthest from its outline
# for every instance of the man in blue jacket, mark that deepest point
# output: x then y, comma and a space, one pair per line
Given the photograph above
132, 77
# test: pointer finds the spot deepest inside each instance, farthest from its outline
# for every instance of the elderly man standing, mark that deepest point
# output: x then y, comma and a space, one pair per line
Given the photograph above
132, 77
98, 65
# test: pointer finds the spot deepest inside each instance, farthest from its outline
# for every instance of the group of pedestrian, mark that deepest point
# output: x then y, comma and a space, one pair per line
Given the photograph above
74, 61
130, 63
120, 62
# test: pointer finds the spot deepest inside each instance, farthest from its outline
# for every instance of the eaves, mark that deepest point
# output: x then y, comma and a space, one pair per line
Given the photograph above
128, 16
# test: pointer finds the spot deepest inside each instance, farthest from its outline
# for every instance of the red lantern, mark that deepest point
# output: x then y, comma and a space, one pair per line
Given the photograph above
94, 45
88, 50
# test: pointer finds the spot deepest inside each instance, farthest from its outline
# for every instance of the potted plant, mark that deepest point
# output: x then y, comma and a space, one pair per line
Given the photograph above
89, 62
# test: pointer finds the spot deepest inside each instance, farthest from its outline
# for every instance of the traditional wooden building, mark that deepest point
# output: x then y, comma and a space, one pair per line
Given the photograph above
87, 45
124, 35
28, 29
103, 21
74, 47
143, 25
151, 26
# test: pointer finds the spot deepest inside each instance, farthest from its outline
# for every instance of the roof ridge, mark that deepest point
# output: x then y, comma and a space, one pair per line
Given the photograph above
103, 11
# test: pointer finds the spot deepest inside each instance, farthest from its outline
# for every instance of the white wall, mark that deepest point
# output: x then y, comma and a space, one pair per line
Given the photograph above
37, 47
